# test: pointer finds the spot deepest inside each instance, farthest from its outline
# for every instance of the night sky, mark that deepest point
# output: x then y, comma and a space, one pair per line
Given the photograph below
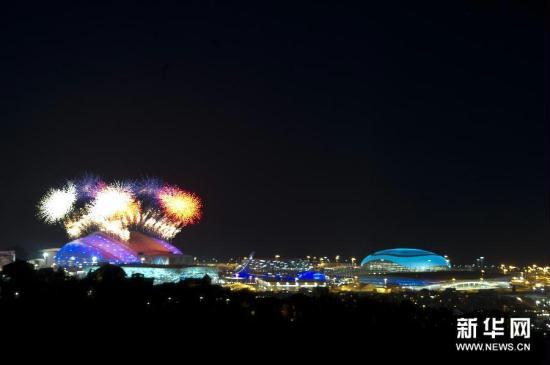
312, 128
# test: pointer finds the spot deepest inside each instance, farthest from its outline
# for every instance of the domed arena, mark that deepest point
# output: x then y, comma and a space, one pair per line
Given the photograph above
405, 260
98, 248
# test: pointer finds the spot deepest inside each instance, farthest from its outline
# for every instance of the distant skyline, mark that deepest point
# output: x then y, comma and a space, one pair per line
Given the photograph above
306, 129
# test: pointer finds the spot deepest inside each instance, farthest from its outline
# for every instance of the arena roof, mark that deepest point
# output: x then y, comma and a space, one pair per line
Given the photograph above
403, 259
99, 247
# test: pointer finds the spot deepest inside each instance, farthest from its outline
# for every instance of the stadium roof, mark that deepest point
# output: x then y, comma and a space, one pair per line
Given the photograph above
99, 247
408, 258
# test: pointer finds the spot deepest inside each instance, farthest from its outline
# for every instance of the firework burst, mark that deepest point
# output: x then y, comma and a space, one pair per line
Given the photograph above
180, 205
113, 201
117, 208
89, 185
57, 203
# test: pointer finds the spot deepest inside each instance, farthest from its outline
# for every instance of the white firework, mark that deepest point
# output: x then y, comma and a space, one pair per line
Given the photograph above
116, 228
112, 201
75, 228
57, 203
154, 222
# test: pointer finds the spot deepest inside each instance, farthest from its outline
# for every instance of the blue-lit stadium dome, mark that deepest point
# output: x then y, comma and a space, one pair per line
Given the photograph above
405, 260
101, 248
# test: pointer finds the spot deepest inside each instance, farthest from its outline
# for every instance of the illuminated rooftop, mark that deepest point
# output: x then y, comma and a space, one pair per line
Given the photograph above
405, 259
99, 247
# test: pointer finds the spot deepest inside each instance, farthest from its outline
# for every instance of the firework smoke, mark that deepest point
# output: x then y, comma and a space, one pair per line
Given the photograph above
117, 208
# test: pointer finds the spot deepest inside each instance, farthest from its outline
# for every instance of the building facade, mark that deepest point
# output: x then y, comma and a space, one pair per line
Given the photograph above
404, 260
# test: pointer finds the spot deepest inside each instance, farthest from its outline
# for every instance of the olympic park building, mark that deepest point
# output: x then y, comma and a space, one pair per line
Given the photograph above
417, 269
141, 254
404, 260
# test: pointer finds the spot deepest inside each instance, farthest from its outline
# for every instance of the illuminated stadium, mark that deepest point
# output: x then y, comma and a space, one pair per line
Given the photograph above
126, 223
99, 248
404, 260
122, 222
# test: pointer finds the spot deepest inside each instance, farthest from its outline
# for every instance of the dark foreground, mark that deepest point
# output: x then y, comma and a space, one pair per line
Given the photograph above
45, 309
